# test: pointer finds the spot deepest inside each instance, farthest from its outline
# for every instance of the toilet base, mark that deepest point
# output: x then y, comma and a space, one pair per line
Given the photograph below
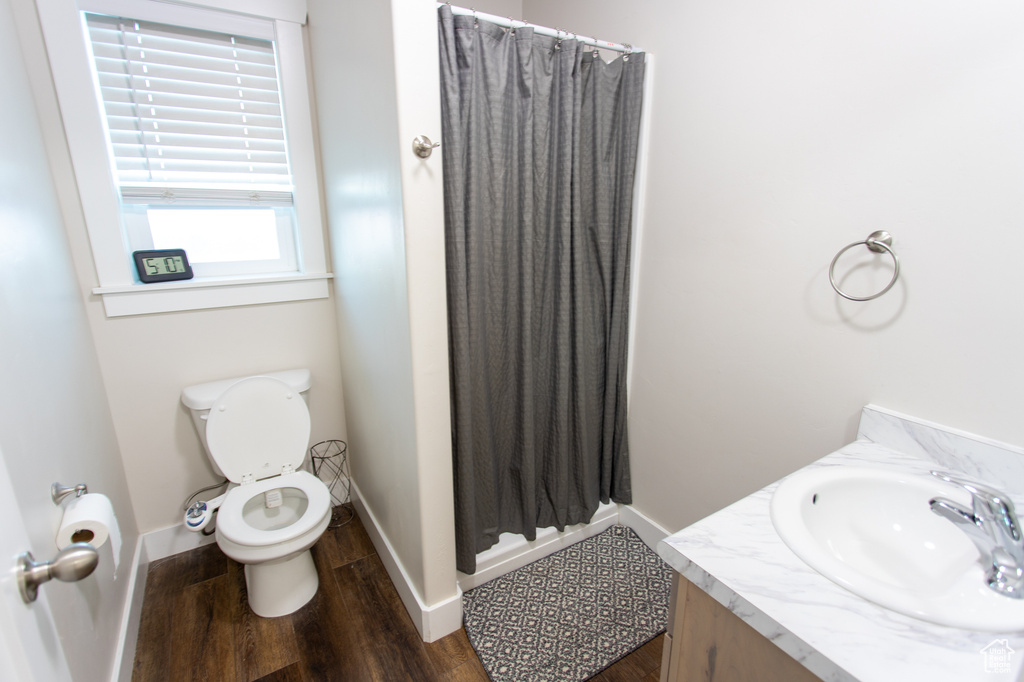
277, 588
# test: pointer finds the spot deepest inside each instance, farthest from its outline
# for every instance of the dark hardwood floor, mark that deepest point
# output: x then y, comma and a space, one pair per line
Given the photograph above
197, 625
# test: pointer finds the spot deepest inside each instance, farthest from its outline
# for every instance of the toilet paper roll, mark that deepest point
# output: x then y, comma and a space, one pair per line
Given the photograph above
90, 518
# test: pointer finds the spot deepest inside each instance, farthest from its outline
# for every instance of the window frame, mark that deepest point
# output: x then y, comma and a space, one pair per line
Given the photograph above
71, 65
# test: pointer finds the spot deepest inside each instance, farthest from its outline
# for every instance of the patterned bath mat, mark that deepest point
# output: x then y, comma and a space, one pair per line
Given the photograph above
570, 615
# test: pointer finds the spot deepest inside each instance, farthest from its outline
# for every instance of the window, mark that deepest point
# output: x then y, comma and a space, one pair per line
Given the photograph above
204, 124
193, 119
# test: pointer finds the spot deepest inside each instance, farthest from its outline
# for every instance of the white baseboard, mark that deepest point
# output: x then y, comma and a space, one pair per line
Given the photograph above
646, 528
174, 540
131, 616
515, 551
432, 621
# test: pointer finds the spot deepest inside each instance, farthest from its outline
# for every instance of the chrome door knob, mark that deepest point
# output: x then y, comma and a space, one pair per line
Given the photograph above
74, 562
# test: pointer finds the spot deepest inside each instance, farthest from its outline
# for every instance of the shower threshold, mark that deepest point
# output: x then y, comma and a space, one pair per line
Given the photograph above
515, 551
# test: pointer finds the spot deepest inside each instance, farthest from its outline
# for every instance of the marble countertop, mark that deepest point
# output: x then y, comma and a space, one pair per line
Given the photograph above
736, 557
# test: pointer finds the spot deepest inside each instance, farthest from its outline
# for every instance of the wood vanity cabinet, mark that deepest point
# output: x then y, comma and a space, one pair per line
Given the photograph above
707, 642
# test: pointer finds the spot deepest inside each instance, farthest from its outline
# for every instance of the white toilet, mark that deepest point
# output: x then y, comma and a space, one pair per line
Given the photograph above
256, 431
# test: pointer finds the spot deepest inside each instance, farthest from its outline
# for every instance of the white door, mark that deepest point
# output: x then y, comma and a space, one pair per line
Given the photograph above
30, 649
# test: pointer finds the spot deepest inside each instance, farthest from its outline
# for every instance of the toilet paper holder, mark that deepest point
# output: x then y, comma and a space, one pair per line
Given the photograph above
58, 492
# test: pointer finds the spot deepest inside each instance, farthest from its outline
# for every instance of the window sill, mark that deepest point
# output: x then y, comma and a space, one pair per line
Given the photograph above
212, 292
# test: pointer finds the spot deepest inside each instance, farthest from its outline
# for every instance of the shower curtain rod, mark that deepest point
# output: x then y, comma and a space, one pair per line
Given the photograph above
508, 22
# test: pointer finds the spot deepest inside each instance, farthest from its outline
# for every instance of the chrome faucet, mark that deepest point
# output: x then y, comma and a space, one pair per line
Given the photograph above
992, 526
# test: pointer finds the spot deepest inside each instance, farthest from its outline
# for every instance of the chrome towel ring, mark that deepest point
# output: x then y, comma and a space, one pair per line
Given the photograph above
879, 242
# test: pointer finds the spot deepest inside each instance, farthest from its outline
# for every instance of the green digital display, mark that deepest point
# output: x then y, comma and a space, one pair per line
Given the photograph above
162, 265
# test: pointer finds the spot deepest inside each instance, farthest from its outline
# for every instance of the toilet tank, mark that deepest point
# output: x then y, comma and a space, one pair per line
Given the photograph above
200, 398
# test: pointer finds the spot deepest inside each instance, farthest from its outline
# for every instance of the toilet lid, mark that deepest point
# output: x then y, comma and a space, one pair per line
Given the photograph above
256, 427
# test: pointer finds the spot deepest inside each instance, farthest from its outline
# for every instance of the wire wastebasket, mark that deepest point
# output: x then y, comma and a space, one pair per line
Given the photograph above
330, 465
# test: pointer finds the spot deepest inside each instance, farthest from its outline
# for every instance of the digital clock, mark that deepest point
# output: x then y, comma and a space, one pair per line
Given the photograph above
162, 265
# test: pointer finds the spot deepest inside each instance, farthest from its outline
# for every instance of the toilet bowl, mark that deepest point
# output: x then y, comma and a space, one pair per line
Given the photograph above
256, 431
274, 546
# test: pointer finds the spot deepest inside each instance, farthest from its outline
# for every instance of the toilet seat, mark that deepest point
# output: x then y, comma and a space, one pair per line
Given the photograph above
232, 525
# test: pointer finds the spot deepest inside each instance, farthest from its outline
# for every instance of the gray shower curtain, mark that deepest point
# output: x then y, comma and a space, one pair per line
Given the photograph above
540, 141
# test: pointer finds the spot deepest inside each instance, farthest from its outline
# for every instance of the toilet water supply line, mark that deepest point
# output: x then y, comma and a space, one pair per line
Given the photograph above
512, 24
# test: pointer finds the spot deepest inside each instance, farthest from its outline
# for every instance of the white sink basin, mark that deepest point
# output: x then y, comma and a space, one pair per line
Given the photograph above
872, 532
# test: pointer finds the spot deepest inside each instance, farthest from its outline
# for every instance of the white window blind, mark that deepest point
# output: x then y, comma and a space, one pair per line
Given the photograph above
189, 111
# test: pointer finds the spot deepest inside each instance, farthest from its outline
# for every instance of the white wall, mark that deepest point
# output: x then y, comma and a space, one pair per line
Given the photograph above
55, 420
418, 90
146, 360
501, 8
362, 190
781, 133
388, 253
